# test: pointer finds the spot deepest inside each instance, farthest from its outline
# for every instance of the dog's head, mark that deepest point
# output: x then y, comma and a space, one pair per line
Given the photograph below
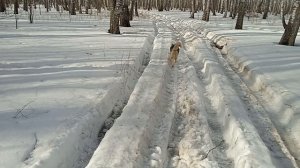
178, 44
175, 46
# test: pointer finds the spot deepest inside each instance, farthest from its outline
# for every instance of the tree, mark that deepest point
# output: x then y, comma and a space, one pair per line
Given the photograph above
30, 11
241, 14
73, 11
125, 15
193, 9
16, 6
266, 10
291, 29
2, 6
115, 16
206, 8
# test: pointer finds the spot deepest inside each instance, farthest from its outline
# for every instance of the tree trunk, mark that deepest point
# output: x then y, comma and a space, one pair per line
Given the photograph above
259, 6
16, 7
125, 16
213, 7
266, 10
25, 5
160, 5
241, 14
225, 8
136, 9
193, 9
115, 17
2, 6
73, 12
292, 28
30, 11
206, 11
131, 9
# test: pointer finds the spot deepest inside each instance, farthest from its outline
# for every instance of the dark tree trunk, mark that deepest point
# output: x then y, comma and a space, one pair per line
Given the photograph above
47, 5
292, 28
16, 7
259, 7
206, 11
30, 11
131, 9
241, 14
125, 16
114, 18
87, 6
2, 6
193, 9
266, 10
73, 12
213, 7
136, 8
25, 5
66, 7
160, 5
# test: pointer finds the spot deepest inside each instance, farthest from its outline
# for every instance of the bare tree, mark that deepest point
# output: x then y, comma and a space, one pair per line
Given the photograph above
241, 14
291, 29
2, 6
73, 11
193, 9
206, 7
266, 10
125, 15
16, 7
225, 8
115, 16
30, 11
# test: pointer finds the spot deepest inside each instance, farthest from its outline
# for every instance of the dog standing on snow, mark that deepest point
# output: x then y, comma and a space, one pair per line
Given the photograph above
174, 51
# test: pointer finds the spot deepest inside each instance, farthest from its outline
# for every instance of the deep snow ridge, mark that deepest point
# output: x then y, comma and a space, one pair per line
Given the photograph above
126, 143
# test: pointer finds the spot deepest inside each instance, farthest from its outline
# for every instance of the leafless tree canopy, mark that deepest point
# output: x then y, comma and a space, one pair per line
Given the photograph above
122, 11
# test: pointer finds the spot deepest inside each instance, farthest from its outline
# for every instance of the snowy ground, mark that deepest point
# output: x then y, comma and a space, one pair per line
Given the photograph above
65, 81
59, 80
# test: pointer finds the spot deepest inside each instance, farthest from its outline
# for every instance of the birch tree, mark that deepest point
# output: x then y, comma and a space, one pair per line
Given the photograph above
241, 14
291, 29
206, 8
115, 16
125, 15
266, 10
2, 6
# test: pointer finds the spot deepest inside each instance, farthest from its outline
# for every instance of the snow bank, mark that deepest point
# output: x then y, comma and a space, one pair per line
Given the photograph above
65, 78
240, 134
269, 69
126, 143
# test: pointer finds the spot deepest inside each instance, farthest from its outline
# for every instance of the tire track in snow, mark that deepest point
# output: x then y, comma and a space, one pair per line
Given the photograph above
136, 133
193, 144
239, 133
130, 76
258, 115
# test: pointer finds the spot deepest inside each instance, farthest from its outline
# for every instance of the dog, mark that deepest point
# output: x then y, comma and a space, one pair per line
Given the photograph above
174, 51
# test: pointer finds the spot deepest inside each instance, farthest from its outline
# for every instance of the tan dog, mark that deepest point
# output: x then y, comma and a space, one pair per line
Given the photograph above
174, 51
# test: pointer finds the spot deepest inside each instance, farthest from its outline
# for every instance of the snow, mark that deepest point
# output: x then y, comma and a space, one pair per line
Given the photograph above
63, 78
126, 143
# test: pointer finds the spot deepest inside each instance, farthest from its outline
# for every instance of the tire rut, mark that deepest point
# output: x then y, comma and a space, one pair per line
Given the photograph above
258, 115
196, 138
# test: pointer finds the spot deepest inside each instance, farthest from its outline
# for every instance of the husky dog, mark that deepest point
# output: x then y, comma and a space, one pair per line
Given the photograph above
174, 51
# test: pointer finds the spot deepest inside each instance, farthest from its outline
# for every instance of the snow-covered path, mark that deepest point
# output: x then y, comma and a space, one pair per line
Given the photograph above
201, 113
198, 114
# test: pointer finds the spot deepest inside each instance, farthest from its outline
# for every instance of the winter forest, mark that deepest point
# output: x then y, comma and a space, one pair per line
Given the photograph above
149, 83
